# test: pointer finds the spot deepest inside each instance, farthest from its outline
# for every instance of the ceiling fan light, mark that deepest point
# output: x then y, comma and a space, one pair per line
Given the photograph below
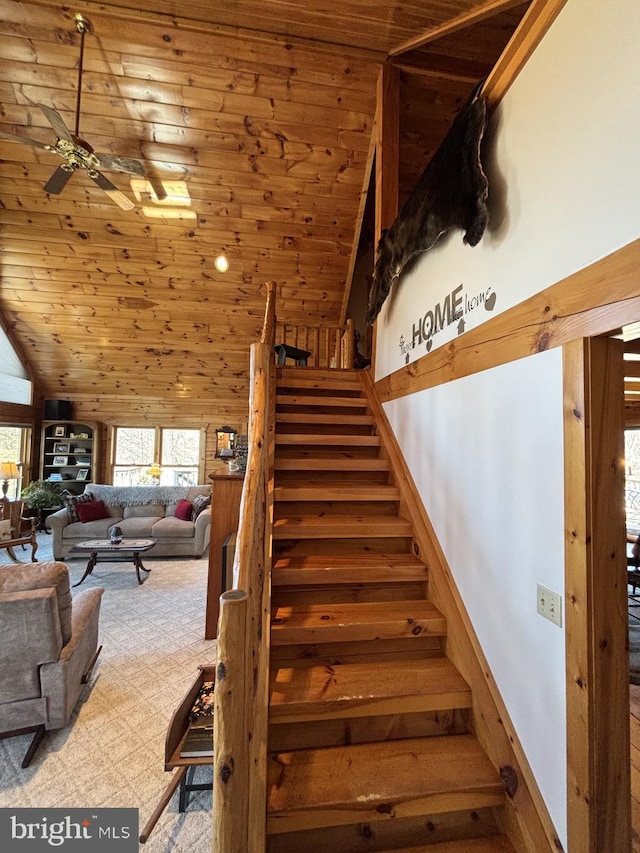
221, 263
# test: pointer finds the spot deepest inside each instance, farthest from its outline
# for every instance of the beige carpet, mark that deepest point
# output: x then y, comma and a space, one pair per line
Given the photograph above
112, 752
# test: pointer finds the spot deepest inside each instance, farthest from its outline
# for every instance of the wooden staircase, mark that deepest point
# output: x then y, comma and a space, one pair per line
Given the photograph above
369, 740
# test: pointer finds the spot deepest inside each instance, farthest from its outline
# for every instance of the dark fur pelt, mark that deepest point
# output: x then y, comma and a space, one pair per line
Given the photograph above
451, 193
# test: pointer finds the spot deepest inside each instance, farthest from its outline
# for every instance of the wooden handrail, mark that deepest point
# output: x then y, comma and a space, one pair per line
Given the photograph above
242, 671
240, 750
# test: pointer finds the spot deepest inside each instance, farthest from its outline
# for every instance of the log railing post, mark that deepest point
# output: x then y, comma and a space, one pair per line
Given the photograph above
230, 755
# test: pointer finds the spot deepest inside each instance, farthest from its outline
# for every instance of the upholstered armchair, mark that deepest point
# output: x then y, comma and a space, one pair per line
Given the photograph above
48, 647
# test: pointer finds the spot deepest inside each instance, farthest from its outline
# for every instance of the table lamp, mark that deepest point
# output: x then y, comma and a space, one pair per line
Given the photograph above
8, 471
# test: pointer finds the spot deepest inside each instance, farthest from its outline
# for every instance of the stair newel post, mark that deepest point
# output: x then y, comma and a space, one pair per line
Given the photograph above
269, 326
230, 756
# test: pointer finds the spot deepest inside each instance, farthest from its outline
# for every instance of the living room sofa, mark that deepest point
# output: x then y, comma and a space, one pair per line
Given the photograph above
140, 512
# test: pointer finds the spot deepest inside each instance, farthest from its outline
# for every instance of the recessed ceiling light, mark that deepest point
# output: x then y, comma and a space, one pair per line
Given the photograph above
221, 263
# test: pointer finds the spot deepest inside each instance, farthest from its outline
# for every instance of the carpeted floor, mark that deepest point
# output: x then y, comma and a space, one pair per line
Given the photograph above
112, 752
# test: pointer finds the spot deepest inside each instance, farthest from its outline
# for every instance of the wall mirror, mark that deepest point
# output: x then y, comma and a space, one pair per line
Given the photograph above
225, 437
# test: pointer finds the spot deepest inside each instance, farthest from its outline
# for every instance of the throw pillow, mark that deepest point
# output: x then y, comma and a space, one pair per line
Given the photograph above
92, 511
5, 530
183, 510
200, 502
71, 502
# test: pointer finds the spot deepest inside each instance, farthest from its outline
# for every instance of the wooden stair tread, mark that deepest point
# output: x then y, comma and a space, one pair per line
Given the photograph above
351, 622
337, 492
311, 400
347, 569
327, 463
377, 781
341, 526
328, 440
365, 689
490, 844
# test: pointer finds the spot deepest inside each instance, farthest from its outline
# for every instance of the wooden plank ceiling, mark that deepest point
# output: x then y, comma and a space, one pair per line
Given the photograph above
255, 119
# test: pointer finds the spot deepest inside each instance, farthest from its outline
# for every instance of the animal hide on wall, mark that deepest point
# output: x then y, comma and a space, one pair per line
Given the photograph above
451, 193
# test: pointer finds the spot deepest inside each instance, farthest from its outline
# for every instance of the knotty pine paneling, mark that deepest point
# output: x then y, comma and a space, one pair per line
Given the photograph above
258, 142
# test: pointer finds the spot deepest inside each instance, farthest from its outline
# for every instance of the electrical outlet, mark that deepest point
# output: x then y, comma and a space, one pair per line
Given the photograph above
550, 605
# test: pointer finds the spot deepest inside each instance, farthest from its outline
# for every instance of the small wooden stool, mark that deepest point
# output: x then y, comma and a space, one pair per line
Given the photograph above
284, 351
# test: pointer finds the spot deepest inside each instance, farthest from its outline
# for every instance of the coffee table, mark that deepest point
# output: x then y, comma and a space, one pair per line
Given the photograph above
106, 546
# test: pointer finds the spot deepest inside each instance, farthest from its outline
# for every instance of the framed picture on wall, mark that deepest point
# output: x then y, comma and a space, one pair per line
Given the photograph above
82, 475
60, 460
59, 432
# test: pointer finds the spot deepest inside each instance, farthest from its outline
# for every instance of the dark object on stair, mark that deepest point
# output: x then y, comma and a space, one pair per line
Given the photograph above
284, 351
451, 193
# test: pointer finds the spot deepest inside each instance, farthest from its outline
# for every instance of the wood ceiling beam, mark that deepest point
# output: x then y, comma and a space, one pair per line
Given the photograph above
535, 23
460, 22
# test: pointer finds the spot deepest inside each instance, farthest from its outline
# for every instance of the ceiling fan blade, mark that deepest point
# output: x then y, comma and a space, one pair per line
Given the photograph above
121, 164
111, 190
55, 120
15, 138
58, 180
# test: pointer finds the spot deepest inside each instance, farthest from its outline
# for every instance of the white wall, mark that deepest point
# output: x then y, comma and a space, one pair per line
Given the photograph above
486, 453
486, 450
564, 178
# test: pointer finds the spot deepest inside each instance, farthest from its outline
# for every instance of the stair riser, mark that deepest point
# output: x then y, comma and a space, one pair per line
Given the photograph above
360, 527
330, 420
312, 441
330, 478
379, 707
314, 402
331, 654
336, 463
340, 451
344, 494
288, 509
342, 732
392, 835
337, 633
298, 428
336, 387
354, 547
342, 815
345, 594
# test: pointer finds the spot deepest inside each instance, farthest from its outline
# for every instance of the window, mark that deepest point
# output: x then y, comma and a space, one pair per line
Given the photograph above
15, 385
147, 456
632, 478
15, 443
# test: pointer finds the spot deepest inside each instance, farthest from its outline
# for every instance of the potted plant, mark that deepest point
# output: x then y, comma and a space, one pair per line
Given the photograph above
41, 495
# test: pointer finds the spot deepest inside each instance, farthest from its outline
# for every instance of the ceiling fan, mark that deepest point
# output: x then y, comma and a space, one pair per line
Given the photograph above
75, 151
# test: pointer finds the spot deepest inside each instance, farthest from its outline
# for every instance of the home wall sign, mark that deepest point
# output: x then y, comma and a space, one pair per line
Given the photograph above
454, 308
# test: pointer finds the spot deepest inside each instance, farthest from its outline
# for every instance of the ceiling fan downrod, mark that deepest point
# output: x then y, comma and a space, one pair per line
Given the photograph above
84, 26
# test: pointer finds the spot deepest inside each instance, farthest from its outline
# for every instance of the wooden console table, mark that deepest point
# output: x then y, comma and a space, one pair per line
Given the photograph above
225, 513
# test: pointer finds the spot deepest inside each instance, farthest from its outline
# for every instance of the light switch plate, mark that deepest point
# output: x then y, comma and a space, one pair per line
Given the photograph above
550, 605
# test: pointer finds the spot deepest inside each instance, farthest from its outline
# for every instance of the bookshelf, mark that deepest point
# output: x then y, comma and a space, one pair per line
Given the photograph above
69, 453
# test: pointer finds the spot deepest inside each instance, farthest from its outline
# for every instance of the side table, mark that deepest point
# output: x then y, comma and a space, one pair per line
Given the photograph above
42, 514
